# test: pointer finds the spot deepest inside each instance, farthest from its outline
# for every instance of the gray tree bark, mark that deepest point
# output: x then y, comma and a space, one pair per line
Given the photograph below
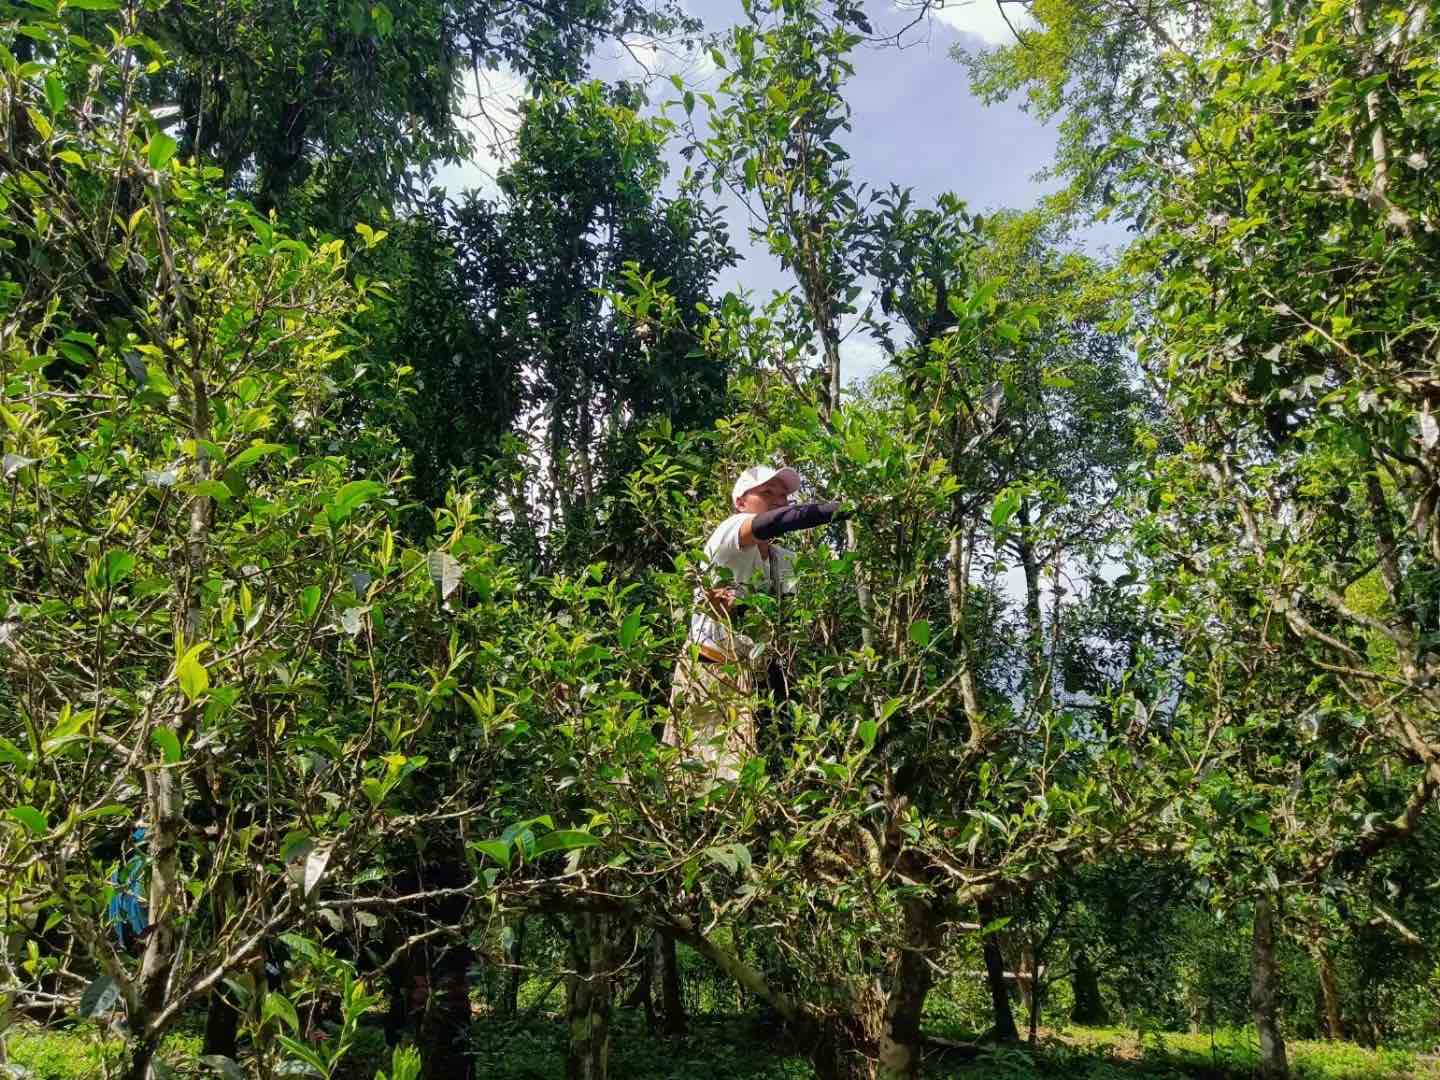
1263, 988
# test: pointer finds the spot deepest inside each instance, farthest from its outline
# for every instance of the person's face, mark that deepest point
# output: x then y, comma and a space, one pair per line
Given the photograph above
770, 495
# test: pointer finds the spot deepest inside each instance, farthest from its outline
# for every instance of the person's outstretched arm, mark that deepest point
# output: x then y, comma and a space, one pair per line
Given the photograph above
773, 524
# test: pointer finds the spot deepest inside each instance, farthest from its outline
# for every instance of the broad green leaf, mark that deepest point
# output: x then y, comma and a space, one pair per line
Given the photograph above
12, 755
304, 1058
384, 24
278, 1005
1006, 503
920, 632
867, 731
113, 810
168, 742
564, 840
160, 150
630, 629
310, 601
498, 850
55, 93
114, 568
31, 818
194, 680
251, 454
351, 497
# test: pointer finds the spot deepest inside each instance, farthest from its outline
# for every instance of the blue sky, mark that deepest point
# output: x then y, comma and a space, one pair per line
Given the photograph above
915, 123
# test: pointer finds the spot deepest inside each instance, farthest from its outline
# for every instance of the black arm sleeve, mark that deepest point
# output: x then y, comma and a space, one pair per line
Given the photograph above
788, 519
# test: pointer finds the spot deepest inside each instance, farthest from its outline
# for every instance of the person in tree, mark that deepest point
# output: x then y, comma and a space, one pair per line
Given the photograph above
712, 706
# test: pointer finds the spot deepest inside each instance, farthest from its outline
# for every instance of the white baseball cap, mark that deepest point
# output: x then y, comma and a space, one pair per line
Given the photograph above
756, 475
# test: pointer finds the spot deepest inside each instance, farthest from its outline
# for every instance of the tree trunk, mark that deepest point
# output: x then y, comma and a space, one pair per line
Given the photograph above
514, 956
643, 995
1032, 992
222, 1012
1089, 1004
222, 1024
142, 1054
587, 999
844, 1050
1330, 993
672, 1002
1025, 978
1263, 979
445, 1029
1039, 677
899, 1057
957, 582
1004, 1029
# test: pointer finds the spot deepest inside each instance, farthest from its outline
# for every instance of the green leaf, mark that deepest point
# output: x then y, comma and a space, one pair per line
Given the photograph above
630, 629
41, 123
54, 92
498, 850
212, 489
564, 840
305, 1054
369, 235
384, 23
733, 857
31, 818
1006, 503
168, 742
1259, 823
278, 1005
920, 632
116, 567
191, 674
252, 454
351, 497
94, 5
112, 810
160, 150
867, 731
310, 601
12, 755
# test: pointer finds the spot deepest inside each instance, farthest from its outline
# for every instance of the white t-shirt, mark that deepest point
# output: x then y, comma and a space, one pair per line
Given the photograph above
749, 569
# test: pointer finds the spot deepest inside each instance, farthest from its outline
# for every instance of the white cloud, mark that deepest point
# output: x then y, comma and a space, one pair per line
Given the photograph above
644, 59
983, 19
491, 116
860, 357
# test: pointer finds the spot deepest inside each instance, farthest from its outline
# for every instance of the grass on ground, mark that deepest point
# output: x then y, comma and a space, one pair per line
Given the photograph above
742, 1048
